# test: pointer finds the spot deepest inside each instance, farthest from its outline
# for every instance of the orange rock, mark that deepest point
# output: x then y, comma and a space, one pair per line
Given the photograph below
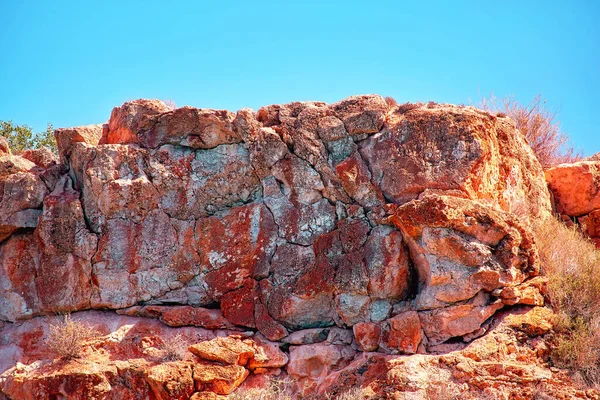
220, 379
534, 321
268, 356
402, 333
130, 119
228, 350
42, 157
356, 180
442, 324
315, 361
193, 316
450, 148
67, 137
575, 187
361, 114
171, 380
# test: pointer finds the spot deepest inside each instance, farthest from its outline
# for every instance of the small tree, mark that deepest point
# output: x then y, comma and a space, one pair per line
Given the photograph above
21, 137
539, 125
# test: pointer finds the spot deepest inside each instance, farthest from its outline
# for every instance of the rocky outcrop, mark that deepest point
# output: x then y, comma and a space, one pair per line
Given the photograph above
136, 358
576, 192
354, 227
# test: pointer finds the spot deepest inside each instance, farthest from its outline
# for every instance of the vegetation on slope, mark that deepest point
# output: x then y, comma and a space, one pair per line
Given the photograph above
572, 264
539, 125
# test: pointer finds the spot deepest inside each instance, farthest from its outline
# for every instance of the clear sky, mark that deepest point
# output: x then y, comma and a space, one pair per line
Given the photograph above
70, 62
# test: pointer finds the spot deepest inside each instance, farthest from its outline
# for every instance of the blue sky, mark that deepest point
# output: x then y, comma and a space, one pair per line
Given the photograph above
70, 62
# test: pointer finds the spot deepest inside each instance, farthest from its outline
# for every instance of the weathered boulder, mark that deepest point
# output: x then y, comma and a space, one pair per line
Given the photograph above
576, 193
462, 150
576, 187
22, 193
67, 137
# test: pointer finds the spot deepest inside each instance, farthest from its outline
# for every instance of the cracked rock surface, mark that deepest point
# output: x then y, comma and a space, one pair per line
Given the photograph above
358, 226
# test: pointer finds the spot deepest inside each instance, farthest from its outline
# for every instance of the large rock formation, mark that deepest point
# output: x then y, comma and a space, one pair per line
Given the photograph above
350, 227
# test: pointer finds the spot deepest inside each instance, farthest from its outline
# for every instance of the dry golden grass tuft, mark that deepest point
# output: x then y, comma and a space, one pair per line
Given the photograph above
572, 264
67, 337
282, 389
391, 101
539, 125
278, 389
175, 348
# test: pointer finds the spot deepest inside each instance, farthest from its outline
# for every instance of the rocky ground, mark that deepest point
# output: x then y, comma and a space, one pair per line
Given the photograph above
361, 243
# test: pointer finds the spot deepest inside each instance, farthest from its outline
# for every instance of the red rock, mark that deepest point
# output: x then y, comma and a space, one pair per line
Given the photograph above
19, 259
66, 137
218, 378
305, 215
352, 309
266, 149
452, 244
236, 246
228, 350
534, 321
194, 316
456, 149
331, 128
246, 125
356, 180
387, 264
315, 361
239, 305
590, 224
402, 333
442, 324
171, 380
77, 381
304, 182
266, 325
22, 193
575, 187
268, 356
42, 157
298, 223
367, 335
64, 272
190, 127
361, 114
307, 336
130, 119
351, 274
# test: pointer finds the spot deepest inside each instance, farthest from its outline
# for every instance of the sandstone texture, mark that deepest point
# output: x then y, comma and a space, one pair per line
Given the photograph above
294, 240
576, 192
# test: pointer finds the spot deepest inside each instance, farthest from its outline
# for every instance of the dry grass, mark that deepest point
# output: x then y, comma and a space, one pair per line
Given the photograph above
170, 103
352, 394
67, 337
278, 389
539, 125
572, 264
391, 101
282, 389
